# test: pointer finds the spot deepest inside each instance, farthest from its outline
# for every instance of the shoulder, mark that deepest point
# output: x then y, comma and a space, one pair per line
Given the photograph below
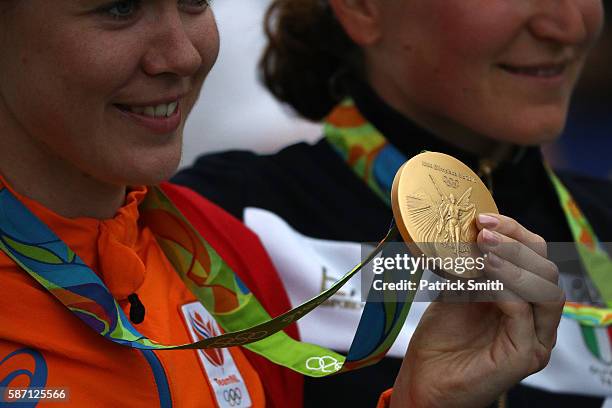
594, 196
238, 179
299, 184
230, 164
594, 192
221, 177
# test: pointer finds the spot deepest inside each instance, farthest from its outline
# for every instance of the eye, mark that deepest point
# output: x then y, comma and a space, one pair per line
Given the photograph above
122, 10
195, 6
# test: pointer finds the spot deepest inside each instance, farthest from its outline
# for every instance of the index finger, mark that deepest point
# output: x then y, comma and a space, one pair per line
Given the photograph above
511, 228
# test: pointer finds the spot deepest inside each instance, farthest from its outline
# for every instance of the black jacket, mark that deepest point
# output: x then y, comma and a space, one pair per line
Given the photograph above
313, 190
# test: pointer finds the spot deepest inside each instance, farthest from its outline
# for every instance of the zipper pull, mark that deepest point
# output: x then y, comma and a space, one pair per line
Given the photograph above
137, 309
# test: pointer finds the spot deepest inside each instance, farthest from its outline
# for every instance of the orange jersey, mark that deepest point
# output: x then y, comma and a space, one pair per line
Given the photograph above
42, 345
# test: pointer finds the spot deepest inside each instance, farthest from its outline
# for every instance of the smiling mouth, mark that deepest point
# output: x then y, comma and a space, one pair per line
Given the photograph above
161, 111
540, 71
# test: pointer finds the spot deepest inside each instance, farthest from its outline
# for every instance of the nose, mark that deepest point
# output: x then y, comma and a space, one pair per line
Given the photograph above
171, 49
560, 21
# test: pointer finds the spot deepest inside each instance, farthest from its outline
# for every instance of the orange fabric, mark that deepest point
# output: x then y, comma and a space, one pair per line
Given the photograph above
344, 116
385, 399
96, 371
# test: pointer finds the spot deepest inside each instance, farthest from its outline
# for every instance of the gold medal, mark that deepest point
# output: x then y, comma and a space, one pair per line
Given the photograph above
435, 200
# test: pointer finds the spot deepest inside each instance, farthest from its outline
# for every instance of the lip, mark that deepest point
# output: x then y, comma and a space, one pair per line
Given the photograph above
162, 125
154, 102
551, 73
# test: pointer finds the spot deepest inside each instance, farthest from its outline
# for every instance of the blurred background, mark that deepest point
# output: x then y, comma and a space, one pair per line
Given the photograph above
236, 112
586, 145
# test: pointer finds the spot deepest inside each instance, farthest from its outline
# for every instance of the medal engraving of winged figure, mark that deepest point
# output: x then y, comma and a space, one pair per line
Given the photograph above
446, 220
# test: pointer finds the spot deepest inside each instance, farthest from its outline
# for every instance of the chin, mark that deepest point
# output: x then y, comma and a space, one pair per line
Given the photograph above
535, 127
531, 135
146, 171
155, 175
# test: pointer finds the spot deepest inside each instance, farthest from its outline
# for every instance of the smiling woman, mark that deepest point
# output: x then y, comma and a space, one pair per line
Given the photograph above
487, 82
515, 64
93, 100
446, 65
90, 103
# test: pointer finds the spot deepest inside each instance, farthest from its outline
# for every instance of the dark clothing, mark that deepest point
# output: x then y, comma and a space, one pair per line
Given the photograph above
317, 194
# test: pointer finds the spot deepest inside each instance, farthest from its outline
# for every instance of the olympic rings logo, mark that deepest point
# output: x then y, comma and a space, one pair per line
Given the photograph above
233, 396
325, 364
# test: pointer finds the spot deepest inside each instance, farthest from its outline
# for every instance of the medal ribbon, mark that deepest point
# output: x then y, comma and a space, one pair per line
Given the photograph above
375, 161
37, 250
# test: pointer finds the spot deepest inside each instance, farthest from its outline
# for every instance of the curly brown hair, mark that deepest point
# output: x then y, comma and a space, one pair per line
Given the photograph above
308, 56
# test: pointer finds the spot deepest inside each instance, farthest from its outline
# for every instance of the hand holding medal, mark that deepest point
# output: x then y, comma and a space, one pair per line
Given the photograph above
482, 347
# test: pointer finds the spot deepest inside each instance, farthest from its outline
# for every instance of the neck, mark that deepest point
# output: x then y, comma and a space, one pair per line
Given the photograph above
37, 173
444, 129
486, 149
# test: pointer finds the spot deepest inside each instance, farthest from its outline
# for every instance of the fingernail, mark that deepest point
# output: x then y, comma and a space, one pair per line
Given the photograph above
488, 221
494, 260
490, 238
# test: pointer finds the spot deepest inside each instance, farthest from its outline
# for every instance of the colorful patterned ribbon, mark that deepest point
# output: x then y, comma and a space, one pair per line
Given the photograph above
36, 249
594, 258
375, 161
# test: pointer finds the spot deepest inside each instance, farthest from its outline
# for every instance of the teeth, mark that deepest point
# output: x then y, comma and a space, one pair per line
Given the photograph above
539, 72
172, 108
159, 111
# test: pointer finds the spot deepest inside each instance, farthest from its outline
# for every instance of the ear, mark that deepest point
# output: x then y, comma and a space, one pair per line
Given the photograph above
361, 19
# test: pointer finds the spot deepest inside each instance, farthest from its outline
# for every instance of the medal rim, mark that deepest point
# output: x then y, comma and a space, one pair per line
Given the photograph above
402, 224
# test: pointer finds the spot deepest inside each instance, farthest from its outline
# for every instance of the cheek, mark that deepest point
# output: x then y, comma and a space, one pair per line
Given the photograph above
76, 100
96, 67
69, 82
63, 92
474, 30
593, 12
205, 38
449, 47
